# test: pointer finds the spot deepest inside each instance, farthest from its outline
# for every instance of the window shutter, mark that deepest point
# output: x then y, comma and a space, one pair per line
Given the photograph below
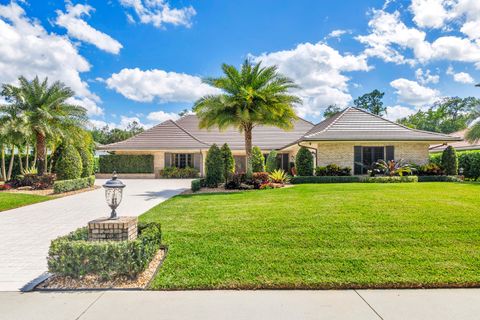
168, 159
390, 153
357, 160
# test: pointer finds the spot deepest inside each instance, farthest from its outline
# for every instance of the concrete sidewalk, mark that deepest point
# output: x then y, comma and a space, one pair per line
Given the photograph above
235, 305
26, 232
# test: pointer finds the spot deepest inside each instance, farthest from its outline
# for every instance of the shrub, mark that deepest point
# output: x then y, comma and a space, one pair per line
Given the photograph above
438, 179
469, 161
178, 173
69, 163
122, 163
261, 177
390, 179
258, 160
87, 162
304, 162
228, 162
33, 180
74, 256
430, 169
271, 161
5, 186
324, 179
96, 164
213, 167
436, 158
333, 170
450, 161
278, 176
74, 184
197, 184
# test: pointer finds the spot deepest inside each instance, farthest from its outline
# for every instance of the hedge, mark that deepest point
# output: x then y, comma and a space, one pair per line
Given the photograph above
178, 173
62, 186
68, 165
438, 179
74, 256
126, 163
387, 179
468, 160
197, 184
324, 179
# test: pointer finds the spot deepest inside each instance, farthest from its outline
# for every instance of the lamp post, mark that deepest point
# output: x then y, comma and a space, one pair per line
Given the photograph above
113, 194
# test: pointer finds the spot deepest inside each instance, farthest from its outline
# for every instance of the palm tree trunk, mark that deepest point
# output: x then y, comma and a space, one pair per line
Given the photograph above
27, 151
20, 160
248, 145
35, 158
51, 159
41, 151
10, 166
4, 173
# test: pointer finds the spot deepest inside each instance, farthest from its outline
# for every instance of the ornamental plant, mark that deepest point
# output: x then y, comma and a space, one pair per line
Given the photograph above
450, 161
258, 160
69, 163
87, 162
228, 162
271, 161
304, 162
213, 167
278, 176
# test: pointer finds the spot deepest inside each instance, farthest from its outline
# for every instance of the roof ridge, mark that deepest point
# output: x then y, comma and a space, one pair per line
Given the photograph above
188, 133
338, 116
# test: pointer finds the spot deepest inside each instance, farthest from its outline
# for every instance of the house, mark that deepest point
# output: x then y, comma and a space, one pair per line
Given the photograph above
350, 138
462, 145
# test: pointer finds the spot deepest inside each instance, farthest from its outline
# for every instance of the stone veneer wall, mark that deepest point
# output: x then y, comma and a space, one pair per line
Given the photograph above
341, 153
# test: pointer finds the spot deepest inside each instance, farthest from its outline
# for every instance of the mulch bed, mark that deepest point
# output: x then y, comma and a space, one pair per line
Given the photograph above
49, 192
93, 282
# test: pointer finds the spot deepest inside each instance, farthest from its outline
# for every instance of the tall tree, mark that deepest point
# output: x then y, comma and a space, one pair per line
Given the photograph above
46, 111
372, 102
251, 96
331, 110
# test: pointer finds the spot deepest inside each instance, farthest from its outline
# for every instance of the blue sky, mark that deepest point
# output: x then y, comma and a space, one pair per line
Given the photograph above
144, 59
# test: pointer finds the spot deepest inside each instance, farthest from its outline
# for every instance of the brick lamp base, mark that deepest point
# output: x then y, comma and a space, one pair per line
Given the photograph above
102, 229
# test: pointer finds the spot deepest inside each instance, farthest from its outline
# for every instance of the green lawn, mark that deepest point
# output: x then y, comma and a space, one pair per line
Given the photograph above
15, 200
323, 236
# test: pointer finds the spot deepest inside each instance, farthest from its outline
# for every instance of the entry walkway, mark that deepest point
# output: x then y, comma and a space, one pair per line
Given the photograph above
26, 232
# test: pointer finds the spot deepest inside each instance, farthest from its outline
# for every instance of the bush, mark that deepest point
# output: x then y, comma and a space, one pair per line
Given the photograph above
228, 162
197, 184
213, 167
271, 161
436, 158
179, 173
126, 163
258, 160
278, 176
333, 170
74, 256
96, 164
390, 179
74, 184
469, 161
450, 161
260, 177
324, 179
304, 162
33, 180
430, 169
69, 163
87, 162
438, 179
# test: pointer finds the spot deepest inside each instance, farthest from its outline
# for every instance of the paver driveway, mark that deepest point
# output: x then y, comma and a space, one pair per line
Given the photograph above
26, 232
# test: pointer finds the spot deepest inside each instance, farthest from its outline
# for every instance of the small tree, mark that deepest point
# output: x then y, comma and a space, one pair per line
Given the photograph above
304, 162
69, 163
272, 161
258, 160
228, 162
450, 161
213, 167
87, 162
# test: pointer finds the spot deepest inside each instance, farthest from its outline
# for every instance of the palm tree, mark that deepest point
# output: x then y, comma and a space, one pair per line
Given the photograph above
44, 110
252, 96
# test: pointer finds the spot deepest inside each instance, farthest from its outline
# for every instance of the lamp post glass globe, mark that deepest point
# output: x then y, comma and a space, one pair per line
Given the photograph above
113, 194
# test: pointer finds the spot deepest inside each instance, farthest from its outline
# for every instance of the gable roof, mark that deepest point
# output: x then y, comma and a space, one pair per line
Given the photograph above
354, 124
458, 145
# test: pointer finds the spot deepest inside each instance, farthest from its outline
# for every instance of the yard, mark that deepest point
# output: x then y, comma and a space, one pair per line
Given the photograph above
14, 200
323, 236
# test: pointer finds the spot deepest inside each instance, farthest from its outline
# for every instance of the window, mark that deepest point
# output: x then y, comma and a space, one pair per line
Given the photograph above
182, 160
364, 157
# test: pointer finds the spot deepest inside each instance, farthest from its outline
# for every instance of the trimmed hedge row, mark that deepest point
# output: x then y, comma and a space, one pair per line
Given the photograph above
438, 179
74, 256
324, 179
126, 163
62, 186
387, 179
179, 173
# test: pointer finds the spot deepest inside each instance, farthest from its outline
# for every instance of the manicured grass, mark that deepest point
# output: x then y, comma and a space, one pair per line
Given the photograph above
15, 200
323, 236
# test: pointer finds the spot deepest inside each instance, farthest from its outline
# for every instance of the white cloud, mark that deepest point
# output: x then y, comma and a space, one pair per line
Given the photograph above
429, 13
125, 121
87, 103
397, 112
159, 13
79, 29
161, 116
337, 33
462, 77
425, 77
145, 86
412, 93
318, 70
27, 49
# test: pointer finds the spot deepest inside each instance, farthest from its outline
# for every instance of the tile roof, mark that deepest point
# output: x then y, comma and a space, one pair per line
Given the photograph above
459, 145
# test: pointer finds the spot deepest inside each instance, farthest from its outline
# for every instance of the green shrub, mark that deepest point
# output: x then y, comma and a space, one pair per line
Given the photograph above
436, 158
271, 162
228, 162
324, 179
304, 162
450, 161
389, 179
438, 179
213, 167
258, 160
126, 163
179, 173
96, 164
196, 185
333, 170
74, 256
87, 162
73, 184
469, 161
69, 163
429, 169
